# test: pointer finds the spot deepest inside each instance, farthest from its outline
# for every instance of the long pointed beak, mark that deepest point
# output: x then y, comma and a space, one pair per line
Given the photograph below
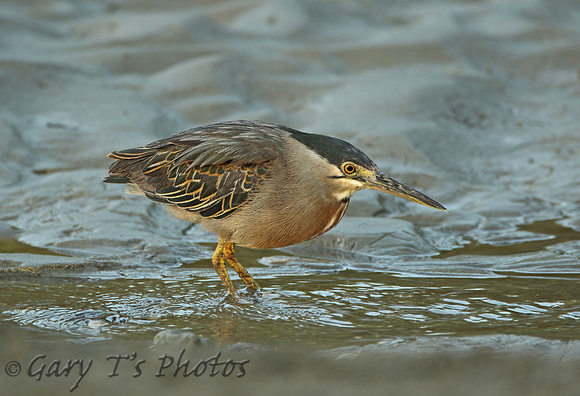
391, 186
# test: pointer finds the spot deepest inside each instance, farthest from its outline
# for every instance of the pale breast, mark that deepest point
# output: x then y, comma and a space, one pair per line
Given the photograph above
287, 228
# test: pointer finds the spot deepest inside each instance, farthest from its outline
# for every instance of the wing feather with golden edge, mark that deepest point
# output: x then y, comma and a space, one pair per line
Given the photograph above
211, 190
211, 170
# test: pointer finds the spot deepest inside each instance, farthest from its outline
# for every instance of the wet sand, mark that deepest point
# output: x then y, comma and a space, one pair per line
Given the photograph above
474, 103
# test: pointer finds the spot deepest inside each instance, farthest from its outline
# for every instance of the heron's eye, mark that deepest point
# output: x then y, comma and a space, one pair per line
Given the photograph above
348, 168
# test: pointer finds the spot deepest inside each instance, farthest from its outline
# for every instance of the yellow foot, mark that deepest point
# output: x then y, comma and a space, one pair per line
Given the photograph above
228, 252
219, 265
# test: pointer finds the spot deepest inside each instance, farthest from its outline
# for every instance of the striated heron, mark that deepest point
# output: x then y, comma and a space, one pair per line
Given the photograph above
254, 184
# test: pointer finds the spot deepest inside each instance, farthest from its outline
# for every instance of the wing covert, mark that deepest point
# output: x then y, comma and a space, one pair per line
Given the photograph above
211, 170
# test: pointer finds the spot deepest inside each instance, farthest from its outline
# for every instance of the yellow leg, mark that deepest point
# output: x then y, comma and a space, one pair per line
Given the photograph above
228, 252
219, 265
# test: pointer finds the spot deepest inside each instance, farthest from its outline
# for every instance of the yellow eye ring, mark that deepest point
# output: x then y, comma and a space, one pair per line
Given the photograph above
348, 168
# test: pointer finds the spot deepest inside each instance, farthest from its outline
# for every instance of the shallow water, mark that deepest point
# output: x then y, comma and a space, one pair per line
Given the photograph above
472, 102
325, 311
309, 301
